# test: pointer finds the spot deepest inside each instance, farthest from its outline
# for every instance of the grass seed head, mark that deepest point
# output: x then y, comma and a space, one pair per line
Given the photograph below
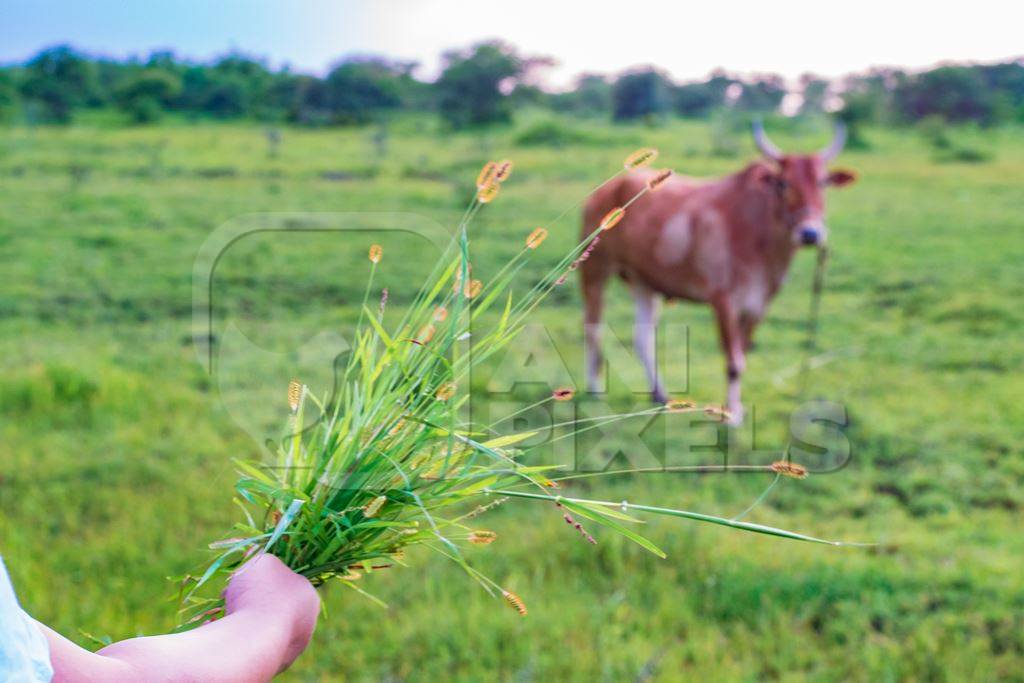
482, 537
640, 158
397, 427
717, 411
445, 391
457, 285
440, 314
657, 181
488, 192
487, 175
514, 601
294, 394
676, 406
473, 288
376, 251
536, 237
789, 469
426, 334
503, 171
612, 218
373, 507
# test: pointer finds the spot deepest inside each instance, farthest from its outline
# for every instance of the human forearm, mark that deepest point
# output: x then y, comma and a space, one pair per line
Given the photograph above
271, 613
244, 646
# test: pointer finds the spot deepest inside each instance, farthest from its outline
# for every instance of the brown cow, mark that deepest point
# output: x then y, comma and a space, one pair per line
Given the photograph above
727, 242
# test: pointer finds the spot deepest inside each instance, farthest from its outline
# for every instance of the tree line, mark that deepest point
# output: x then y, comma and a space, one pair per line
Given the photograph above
481, 85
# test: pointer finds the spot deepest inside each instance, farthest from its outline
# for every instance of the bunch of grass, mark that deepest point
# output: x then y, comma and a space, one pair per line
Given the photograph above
391, 463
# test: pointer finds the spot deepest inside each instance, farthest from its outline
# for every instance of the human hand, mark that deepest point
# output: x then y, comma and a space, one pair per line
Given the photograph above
280, 598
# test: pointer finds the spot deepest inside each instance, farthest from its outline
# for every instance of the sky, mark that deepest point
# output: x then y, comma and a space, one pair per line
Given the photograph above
687, 39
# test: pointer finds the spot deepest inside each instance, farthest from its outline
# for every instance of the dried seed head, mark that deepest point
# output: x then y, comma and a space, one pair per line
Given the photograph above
675, 406
440, 314
640, 158
376, 251
576, 525
612, 218
658, 180
445, 391
503, 171
481, 537
536, 237
350, 575
373, 507
789, 469
426, 334
294, 394
718, 411
473, 288
488, 192
514, 601
563, 394
486, 176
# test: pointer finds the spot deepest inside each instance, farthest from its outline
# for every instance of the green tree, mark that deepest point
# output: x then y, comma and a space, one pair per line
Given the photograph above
474, 85
234, 86
698, 100
1007, 81
311, 103
642, 93
58, 79
592, 96
762, 94
359, 90
8, 95
956, 93
813, 93
859, 109
145, 96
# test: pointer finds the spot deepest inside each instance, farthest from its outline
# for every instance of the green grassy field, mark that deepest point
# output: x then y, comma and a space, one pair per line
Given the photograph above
116, 444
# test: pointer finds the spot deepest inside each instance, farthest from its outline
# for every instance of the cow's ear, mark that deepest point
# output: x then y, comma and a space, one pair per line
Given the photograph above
766, 176
840, 177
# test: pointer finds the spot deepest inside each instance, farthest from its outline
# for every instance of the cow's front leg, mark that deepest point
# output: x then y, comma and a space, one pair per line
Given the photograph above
645, 326
733, 341
748, 323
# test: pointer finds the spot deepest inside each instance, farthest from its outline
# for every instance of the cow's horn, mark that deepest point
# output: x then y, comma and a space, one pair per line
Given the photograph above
837, 144
764, 144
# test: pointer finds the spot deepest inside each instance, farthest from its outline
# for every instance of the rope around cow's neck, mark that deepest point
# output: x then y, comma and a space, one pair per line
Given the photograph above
812, 319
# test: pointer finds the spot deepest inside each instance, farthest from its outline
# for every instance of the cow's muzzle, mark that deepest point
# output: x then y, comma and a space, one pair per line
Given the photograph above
810, 235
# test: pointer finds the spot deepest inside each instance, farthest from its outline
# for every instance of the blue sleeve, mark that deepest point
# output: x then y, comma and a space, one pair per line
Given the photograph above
24, 655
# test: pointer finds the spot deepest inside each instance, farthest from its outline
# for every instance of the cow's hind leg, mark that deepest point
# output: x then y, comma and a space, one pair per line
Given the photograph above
732, 339
645, 325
